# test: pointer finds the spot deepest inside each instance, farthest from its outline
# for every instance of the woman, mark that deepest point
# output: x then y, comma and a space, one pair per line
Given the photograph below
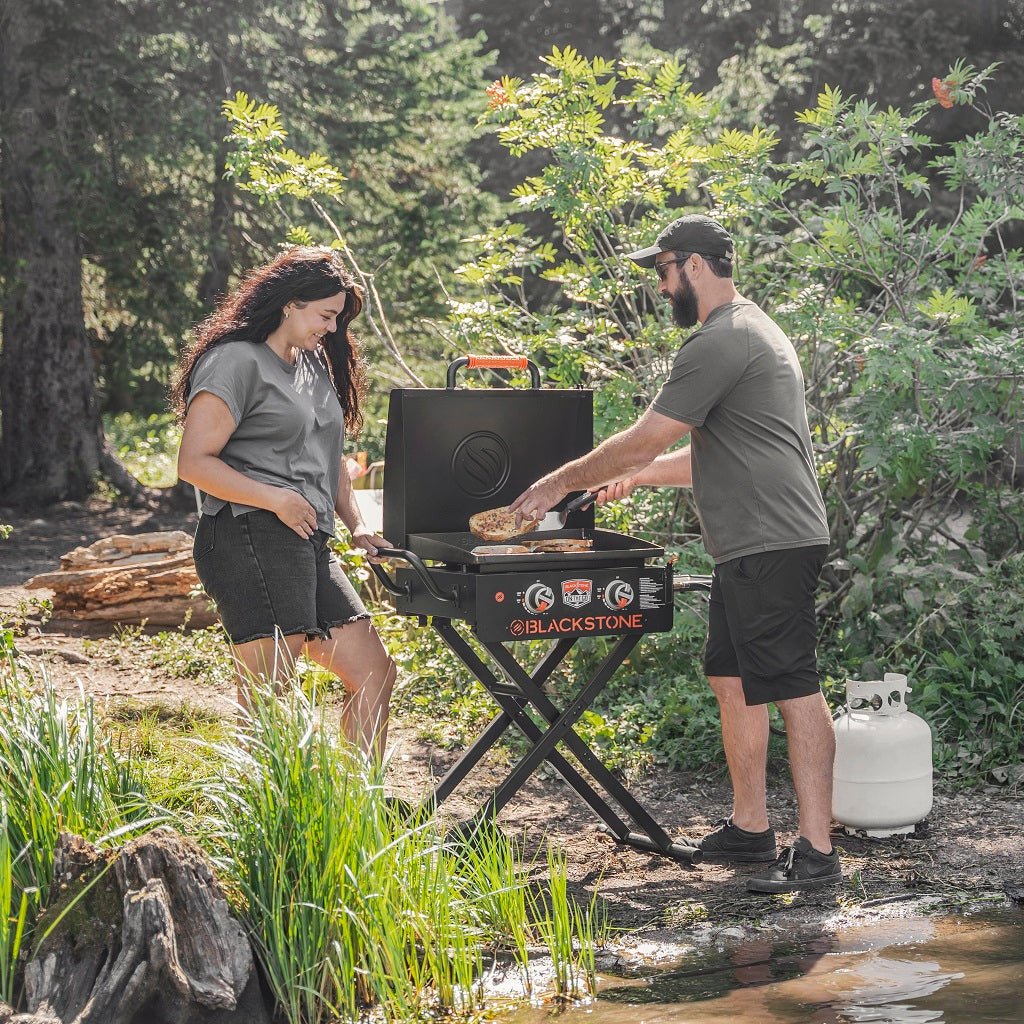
266, 392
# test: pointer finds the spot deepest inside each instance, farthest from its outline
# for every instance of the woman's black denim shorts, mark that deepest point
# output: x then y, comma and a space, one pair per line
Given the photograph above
266, 579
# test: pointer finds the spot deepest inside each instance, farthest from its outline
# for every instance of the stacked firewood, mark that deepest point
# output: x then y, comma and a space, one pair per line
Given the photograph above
147, 577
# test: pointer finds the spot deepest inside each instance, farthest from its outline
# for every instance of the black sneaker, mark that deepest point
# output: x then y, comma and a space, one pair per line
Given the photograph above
800, 867
730, 843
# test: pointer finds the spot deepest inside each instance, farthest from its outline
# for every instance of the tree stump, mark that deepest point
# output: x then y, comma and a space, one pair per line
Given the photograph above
9, 1016
140, 936
129, 579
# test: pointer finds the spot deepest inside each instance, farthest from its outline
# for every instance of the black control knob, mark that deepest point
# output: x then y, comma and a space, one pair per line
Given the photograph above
618, 594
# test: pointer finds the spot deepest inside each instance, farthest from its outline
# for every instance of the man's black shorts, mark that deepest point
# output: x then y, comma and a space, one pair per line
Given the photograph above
762, 626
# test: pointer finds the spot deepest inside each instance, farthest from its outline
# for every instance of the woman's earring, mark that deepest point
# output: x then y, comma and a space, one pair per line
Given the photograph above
286, 314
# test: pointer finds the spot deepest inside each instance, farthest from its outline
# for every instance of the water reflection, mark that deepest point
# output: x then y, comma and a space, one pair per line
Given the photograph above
905, 971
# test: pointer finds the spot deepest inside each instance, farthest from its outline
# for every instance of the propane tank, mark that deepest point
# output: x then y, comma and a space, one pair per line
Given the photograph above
882, 775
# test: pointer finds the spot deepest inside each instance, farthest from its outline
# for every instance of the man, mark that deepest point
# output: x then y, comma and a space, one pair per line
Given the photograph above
737, 388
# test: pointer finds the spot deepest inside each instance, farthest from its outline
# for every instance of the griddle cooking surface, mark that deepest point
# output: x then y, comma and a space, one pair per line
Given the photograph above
609, 547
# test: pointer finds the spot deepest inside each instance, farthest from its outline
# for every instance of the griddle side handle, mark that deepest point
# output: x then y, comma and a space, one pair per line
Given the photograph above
493, 363
451, 597
398, 589
681, 582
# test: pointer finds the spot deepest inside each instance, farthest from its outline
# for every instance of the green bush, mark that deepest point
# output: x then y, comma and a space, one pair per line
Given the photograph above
957, 635
883, 254
147, 445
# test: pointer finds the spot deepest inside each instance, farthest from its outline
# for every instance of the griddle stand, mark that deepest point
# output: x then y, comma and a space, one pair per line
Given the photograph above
516, 691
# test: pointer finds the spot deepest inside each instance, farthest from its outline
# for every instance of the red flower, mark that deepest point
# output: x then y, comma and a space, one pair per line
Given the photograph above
498, 96
942, 91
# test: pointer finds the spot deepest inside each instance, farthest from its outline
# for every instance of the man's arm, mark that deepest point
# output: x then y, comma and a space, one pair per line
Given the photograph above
625, 454
669, 470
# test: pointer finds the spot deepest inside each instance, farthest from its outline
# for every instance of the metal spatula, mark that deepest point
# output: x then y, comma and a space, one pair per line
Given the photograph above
555, 519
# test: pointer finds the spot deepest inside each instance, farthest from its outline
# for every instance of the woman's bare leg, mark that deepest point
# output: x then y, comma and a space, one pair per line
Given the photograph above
271, 658
355, 654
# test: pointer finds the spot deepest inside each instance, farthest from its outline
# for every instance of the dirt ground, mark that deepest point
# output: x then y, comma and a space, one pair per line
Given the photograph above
969, 855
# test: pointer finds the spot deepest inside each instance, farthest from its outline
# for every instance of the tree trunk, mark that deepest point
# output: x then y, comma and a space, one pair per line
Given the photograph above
51, 436
214, 282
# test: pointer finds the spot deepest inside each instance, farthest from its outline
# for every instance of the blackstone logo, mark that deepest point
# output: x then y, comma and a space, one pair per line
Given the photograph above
577, 593
481, 464
576, 624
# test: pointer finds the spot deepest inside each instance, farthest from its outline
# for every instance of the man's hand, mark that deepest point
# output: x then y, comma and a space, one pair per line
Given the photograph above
369, 542
539, 498
295, 512
617, 491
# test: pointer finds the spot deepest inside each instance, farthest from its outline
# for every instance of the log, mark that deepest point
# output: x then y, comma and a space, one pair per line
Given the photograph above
141, 936
129, 579
108, 549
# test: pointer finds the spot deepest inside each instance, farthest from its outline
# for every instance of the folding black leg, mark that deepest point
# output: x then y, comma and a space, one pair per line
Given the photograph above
590, 761
469, 759
564, 722
511, 712
523, 690
514, 703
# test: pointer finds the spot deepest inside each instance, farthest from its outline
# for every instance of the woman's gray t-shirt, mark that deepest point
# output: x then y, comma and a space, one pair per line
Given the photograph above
289, 425
737, 381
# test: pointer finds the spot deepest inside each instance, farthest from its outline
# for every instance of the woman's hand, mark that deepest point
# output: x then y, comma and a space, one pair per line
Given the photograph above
295, 512
369, 542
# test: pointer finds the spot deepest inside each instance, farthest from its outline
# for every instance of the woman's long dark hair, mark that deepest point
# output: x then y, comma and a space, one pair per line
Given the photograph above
255, 309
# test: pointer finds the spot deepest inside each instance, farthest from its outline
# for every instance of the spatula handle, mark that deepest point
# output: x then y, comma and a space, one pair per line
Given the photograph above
581, 501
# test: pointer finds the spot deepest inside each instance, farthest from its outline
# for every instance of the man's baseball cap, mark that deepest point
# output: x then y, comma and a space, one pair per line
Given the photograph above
692, 233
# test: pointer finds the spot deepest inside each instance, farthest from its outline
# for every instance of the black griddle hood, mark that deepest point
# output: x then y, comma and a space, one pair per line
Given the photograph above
452, 452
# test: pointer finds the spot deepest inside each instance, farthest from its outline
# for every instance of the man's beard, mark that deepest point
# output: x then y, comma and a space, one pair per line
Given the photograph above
684, 304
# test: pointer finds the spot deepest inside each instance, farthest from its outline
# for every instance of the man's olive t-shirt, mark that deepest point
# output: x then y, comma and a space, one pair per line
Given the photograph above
737, 381
289, 426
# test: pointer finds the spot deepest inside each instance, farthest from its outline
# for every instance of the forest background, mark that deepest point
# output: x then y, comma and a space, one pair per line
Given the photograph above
485, 165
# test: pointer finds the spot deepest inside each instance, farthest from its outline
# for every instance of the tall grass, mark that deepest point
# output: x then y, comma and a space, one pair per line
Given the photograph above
20, 900
58, 773
347, 906
569, 931
493, 876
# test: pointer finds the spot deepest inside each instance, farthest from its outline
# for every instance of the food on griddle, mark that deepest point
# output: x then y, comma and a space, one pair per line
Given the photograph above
500, 549
561, 544
499, 524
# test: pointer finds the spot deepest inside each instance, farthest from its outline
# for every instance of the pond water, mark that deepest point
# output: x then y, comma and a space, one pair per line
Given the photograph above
911, 970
